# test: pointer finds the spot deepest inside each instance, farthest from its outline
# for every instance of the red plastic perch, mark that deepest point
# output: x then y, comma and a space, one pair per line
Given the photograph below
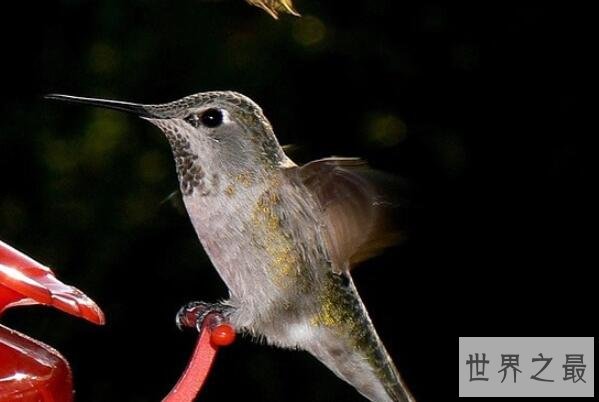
210, 339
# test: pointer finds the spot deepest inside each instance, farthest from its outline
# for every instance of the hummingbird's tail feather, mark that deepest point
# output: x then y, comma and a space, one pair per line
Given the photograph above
356, 354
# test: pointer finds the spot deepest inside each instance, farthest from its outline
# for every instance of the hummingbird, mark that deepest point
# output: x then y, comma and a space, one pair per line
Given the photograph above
282, 237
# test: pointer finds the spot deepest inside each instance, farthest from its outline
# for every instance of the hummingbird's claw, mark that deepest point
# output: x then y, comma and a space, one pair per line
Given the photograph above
197, 314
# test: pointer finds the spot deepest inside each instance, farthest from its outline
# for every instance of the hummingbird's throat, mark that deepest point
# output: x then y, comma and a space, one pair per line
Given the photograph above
189, 171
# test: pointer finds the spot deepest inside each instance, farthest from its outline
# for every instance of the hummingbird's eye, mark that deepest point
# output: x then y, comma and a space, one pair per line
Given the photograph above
212, 118
209, 118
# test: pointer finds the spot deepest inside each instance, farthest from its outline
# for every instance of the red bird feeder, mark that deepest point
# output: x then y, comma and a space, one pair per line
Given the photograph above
31, 371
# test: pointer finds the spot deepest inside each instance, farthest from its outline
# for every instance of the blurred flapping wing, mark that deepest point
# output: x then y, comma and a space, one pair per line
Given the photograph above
358, 208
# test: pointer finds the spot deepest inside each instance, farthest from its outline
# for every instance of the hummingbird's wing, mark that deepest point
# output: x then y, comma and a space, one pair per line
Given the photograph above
357, 212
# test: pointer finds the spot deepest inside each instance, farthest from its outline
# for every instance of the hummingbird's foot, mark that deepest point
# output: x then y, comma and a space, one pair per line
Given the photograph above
193, 315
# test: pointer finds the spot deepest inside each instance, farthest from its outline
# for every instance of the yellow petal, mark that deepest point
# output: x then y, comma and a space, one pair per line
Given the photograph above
274, 7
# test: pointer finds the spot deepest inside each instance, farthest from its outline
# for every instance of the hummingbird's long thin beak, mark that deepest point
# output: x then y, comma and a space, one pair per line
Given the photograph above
129, 107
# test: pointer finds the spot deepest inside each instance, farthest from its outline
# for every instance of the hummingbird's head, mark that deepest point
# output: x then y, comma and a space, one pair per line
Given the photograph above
210, 133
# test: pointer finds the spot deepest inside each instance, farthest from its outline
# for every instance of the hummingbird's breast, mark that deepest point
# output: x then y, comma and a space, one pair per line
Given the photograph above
263, 236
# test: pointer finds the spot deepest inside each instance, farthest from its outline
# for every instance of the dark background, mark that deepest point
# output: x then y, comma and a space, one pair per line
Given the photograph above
478, 106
